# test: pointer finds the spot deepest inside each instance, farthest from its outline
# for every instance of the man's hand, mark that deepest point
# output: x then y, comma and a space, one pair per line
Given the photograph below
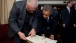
22, 36
63, 25
32, 33
74, 25
52, 37
43, 35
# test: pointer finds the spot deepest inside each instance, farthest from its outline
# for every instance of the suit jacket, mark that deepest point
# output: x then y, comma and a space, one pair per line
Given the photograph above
17, 17
53, 21
67, 17
74, 16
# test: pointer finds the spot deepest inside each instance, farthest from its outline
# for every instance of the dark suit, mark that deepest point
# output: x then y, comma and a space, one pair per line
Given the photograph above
74, 16
17, 17
74, 22
67, 19
42, 24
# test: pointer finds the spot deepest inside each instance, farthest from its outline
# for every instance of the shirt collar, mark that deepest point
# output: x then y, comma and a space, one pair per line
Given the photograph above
68, 8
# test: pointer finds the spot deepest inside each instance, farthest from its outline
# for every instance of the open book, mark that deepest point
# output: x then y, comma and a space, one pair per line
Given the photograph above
40, 39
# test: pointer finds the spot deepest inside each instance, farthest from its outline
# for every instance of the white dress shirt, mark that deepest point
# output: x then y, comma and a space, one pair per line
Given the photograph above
68, 9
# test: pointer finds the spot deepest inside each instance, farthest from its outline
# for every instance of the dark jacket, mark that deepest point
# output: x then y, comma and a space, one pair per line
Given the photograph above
17, 17
74, 16
67, 17
53, 21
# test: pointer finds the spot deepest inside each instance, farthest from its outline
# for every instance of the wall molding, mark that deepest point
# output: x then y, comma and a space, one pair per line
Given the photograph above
52, 2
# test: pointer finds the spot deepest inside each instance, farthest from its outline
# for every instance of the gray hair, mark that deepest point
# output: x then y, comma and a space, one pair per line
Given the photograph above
47, 8
30, 2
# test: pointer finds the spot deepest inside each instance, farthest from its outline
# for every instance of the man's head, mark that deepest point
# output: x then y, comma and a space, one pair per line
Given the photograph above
69, 3
75, 5
41, 7
47, 11
55, 7
31, 5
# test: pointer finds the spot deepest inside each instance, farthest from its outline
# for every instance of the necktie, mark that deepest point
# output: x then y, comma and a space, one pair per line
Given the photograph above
48, 23
47, 20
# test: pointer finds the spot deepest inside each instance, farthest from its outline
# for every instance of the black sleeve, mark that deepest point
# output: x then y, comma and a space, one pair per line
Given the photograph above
40, 23
73, 16
63, 16
55, 23
13, 18
35, 20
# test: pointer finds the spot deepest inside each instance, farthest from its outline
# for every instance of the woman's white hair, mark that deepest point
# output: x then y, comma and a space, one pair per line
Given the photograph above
31, 2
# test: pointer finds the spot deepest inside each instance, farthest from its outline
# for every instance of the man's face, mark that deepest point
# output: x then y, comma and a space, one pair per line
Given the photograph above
75, 5
70, 4
46, 14
55, 8
31, 9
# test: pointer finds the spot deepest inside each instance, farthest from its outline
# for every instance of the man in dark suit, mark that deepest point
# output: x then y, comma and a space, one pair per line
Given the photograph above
67, 22
23, 20
74, 23
47, 21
